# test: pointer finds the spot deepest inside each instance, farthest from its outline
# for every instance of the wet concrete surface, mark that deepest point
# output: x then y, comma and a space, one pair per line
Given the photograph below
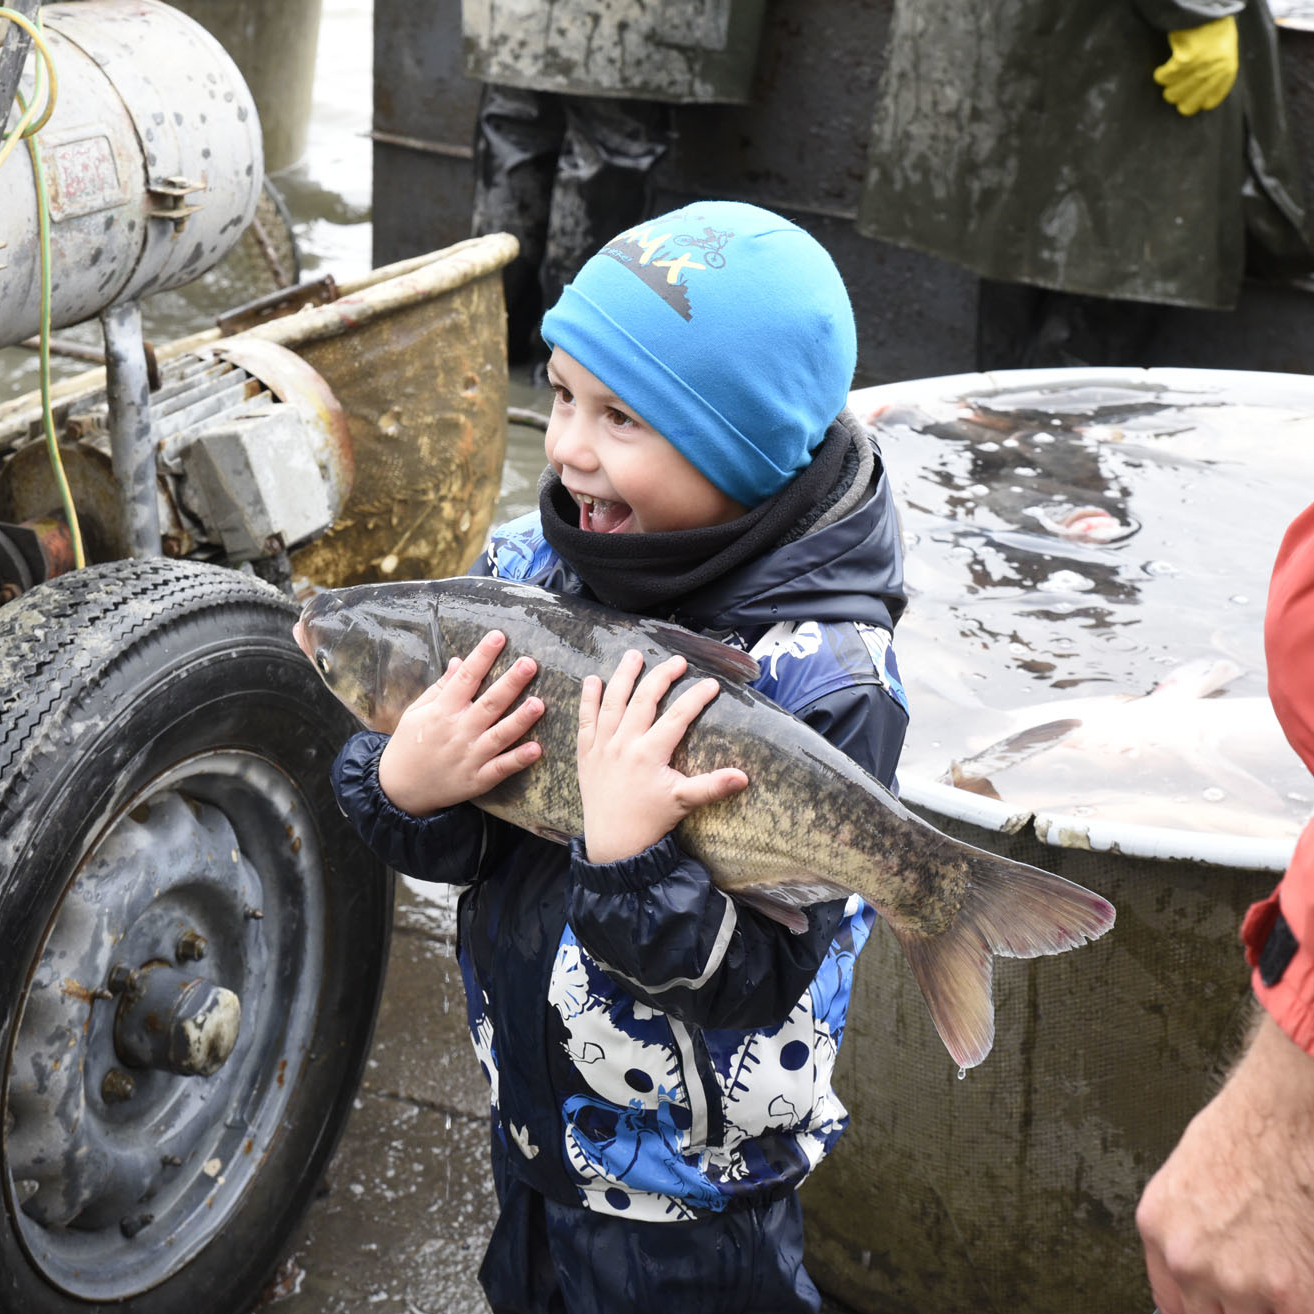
407, 1205
406, 1208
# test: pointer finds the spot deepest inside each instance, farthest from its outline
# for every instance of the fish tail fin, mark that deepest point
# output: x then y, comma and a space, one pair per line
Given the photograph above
1009, 909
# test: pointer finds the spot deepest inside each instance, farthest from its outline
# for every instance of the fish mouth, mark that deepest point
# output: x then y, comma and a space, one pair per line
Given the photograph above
599, 515
313, 614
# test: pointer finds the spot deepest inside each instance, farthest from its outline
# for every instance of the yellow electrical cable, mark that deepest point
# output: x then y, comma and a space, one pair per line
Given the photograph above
47, 414
25, 127
43, 230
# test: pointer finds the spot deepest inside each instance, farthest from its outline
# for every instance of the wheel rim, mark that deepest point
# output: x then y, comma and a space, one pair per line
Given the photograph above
118, 1174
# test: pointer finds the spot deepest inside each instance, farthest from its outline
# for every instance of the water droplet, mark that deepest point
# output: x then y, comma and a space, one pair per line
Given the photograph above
1069, 580
962, 1072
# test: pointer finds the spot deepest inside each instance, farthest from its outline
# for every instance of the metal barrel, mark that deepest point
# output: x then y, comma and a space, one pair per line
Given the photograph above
152, 158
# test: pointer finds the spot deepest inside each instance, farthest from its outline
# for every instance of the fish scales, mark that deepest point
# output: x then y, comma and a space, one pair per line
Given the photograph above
792, 825
811, 826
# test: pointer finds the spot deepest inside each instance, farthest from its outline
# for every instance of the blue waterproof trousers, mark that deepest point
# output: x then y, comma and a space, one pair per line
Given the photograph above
547, 1258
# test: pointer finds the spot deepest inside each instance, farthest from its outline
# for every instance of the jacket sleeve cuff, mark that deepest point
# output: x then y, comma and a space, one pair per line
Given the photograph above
1178, 15
631, 874
358, 771
1283, 970
406, 843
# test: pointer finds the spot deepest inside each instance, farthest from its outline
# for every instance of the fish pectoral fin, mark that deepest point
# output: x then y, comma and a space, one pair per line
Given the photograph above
787, 901
712, 655
787, 913
549, 834
1197, 679
1012, 750
969, 781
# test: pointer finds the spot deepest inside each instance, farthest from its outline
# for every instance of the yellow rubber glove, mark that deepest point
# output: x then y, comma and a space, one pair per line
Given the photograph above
1202, 68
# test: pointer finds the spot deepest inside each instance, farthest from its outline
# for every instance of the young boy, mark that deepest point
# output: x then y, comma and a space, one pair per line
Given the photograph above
653, 1117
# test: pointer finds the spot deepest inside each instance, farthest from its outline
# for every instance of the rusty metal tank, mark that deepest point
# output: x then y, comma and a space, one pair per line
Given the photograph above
419, 363
152, 160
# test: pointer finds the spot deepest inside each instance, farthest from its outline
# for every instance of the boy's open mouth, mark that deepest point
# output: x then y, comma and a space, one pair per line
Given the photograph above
599, 517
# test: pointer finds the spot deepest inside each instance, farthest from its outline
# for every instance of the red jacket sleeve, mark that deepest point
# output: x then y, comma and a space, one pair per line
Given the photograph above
1279, 931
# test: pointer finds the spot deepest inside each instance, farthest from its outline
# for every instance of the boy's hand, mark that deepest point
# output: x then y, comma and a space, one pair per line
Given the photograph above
450, 746
632, 795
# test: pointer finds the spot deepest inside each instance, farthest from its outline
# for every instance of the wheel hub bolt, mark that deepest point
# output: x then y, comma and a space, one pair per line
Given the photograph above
122, 977
191, 947
117, 1087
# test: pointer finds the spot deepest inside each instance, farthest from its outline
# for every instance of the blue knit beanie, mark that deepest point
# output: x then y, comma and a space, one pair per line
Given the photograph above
727, 329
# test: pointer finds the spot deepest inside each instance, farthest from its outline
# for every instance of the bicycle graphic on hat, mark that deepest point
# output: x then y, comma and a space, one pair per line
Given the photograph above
710, 244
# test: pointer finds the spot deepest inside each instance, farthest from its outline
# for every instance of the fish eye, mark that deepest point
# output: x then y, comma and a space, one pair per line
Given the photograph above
322, 661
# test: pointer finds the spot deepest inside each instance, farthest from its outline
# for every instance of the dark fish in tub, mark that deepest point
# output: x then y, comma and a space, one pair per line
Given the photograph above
811, 826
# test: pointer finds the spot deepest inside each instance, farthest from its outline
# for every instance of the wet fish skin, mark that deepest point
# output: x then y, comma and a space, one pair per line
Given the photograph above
1143, 759
811, 826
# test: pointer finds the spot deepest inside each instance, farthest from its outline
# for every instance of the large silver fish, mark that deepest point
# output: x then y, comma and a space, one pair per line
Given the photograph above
1174, 757
811, 826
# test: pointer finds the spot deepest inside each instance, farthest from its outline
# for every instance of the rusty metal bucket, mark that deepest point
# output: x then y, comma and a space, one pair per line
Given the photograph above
418, 362
415, 356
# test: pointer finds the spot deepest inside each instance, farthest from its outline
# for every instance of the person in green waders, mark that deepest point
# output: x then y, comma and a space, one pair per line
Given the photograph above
1093, 161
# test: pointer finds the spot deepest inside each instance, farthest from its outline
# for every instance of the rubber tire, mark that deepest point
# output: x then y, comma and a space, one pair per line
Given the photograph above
108, 676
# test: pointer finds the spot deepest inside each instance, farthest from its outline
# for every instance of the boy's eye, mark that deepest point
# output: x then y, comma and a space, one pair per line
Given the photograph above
619, 417
563, 394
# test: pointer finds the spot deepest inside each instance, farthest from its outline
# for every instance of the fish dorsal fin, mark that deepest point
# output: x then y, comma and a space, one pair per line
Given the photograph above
711, 654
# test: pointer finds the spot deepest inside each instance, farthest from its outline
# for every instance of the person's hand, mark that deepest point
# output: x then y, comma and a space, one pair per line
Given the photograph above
632, 795
1202, 67
1228, 1221
450, 746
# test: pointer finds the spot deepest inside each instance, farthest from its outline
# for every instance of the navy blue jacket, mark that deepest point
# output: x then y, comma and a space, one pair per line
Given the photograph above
692, 1074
